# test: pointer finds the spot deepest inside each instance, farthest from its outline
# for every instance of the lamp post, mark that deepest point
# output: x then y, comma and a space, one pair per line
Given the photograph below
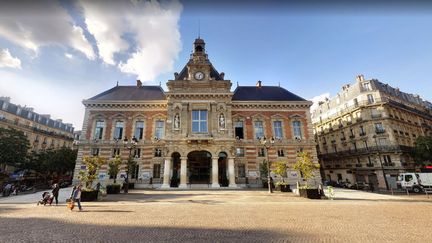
130, 145
382, 167
267, 145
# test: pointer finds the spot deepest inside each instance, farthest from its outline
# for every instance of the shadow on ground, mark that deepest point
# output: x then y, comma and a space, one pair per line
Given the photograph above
47, 230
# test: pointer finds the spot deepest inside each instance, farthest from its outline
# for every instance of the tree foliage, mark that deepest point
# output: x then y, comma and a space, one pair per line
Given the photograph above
93, 165
423, 150
114, 167
131, 166
305, 165
280, 169
263, 169
14, 146
58, 161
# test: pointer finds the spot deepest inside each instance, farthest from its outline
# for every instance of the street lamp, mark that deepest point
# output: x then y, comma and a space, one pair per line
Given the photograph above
267, 145
382, 167
130, 145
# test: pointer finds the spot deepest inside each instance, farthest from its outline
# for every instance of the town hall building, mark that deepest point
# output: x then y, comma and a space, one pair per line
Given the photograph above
198, 132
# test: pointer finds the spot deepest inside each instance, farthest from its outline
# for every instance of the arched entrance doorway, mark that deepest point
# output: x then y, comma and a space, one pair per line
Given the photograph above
175, 179
222, 167
199, 165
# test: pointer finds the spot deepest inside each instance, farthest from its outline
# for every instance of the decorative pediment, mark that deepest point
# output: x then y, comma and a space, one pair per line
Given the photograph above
118, 116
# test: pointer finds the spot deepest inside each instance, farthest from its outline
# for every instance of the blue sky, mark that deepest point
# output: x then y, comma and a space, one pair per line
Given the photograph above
310, 49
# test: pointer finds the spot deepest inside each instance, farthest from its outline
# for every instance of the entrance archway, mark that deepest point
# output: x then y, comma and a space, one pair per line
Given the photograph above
175, 179
199, 167
222, 167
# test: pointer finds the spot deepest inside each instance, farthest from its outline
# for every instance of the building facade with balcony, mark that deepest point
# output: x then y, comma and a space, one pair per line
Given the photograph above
42, 132
198, 132
368, 131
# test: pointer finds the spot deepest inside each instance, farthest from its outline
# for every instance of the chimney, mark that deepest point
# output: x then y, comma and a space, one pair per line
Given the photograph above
360, 78
222, 75
139, 84
258, 84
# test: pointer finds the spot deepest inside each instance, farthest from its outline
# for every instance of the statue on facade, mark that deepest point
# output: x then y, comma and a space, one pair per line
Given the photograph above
222, 121
176, 121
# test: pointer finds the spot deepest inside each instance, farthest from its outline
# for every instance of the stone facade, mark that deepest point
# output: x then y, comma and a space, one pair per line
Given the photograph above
369, 130
42, 132
198, 131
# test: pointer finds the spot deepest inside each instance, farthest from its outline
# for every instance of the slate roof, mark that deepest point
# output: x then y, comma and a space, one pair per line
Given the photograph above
264, 93
132, 93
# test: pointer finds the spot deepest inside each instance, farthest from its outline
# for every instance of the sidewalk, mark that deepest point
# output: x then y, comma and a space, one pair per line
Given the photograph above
64, 193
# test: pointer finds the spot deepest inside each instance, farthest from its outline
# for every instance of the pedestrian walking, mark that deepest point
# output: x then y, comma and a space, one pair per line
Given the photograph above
55, 192
77, 196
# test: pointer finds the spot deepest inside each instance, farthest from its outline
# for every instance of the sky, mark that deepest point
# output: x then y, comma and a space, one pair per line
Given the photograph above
54, 54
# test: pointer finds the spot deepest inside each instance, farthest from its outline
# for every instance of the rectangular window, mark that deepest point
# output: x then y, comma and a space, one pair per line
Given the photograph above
259, 129
240, 152
241, 170
387, 160
199, 121
115, 152
370, 99
156, 170
362, 131
277, 129
281, 153
139, 129
118, 132
261, 152
137, 153
95, 152
99, 129
159, 129
379, 128
238, 126
297, 129
158, 152
366, 86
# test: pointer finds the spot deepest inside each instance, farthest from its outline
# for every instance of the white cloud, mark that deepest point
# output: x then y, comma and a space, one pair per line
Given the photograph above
68, 55
40, 24
7, 60
148, 28
317, 99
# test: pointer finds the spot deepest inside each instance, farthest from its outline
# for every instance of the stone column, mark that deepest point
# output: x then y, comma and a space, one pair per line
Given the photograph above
215, 172
183, 172
231, 173
167, 170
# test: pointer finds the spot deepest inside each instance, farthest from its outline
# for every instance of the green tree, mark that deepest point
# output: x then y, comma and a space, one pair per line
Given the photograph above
14, 147
263, 170
131, 166
114, 167
93, 165
280, 169
306, 166
423, 150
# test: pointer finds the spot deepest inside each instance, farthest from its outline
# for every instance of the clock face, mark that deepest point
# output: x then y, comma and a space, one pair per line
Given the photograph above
199, 75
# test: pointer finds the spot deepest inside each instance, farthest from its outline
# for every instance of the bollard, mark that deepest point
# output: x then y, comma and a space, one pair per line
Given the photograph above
391, 188
407, 191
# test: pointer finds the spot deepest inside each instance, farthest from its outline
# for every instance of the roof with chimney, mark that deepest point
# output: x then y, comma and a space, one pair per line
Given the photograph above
264, 93
137, 92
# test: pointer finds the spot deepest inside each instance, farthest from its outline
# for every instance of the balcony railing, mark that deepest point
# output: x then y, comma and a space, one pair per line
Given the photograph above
362, 134
369, 150
379, 131
370, 165
352, 136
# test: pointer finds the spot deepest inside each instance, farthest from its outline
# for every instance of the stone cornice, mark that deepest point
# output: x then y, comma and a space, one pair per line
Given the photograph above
129, 104
183, 95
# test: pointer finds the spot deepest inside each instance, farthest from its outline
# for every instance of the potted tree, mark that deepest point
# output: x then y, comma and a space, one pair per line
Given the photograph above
280, 170
113, 170
88, 175
307, 169
264, 174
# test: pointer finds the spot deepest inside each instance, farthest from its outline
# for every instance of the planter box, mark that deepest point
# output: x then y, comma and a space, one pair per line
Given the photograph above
89, 196
113, 189
265, 184
310, 193
284, 188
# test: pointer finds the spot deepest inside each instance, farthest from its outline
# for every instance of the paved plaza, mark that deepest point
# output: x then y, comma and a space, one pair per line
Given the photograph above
219, 216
